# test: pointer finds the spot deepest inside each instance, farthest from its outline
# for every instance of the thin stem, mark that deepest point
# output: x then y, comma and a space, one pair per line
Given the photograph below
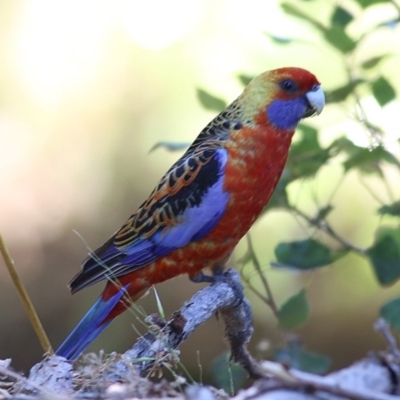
270, 299
325, 227
256, 291
26, 301
374, 130
388, 189
370, 191
384, 329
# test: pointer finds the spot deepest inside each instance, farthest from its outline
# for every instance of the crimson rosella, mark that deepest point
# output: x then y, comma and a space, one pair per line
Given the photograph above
204, 204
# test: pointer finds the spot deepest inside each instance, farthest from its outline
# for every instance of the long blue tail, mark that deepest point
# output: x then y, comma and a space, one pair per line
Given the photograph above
89, 327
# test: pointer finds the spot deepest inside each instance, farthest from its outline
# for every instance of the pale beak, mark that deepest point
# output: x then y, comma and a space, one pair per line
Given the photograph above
316, 101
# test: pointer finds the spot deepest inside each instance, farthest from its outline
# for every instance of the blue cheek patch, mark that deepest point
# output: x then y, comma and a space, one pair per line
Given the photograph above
286, 114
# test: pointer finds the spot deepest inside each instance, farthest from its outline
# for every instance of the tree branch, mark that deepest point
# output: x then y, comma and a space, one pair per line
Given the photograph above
158, 347
117, 377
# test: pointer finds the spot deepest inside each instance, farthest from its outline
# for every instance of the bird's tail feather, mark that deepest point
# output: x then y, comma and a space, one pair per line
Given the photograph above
91, 325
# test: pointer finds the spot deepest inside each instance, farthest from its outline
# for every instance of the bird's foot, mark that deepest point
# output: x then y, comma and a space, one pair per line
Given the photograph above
221, 275
200, 277
231, 279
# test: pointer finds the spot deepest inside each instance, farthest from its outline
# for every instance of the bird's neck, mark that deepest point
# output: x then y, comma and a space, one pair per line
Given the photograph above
257, 156
260, 146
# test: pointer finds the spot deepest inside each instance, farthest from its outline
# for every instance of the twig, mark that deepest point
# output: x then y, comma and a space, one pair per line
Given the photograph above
357, 382
247, 280
37, 387
158, 347
383, 328
375, 131
325, 227
270, 298
223, 297
370, 190
369, 379
26, 301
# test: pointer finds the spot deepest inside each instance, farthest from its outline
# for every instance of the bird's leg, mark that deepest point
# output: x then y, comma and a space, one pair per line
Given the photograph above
217, 270
220, 273
234, 284
200, 277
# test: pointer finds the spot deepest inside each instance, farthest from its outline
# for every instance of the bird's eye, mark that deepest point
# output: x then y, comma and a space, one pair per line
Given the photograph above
288, 85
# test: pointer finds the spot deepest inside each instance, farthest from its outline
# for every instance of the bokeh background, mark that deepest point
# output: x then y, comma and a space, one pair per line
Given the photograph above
88, 87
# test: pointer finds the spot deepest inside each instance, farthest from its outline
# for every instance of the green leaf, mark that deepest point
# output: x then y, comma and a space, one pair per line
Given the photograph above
324, 212
170, 146
367, 3
245, 79
280, 39
341, 17
341, 93
390, 209
290, 9
339, 39
343, 144
383, 91
309, 137
227, 375
210, 102
314, 363
294, 312
304, 254
390, 312
334, 35
373, 62
306, 155
368, 160
384, 255
296, 357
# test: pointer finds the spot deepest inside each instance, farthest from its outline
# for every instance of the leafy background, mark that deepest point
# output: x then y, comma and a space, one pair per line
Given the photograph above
87, 89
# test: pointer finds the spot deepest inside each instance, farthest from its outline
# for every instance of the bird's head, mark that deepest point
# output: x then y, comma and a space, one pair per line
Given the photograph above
282, 97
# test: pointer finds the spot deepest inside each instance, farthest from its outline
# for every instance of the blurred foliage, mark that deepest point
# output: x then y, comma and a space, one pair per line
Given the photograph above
294, 312
295, 356
81, 108
209, 101
308, 156
390, 313
227, 375
304, 254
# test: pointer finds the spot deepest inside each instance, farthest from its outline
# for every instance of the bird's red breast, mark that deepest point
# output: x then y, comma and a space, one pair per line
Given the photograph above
256, 157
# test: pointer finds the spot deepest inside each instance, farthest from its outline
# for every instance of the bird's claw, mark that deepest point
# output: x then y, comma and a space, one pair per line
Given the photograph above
224, 276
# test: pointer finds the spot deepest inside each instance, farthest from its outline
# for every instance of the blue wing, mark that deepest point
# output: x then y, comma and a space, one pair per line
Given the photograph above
185, 206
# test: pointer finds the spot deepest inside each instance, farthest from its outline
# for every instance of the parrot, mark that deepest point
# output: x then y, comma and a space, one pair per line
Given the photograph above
204, 204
